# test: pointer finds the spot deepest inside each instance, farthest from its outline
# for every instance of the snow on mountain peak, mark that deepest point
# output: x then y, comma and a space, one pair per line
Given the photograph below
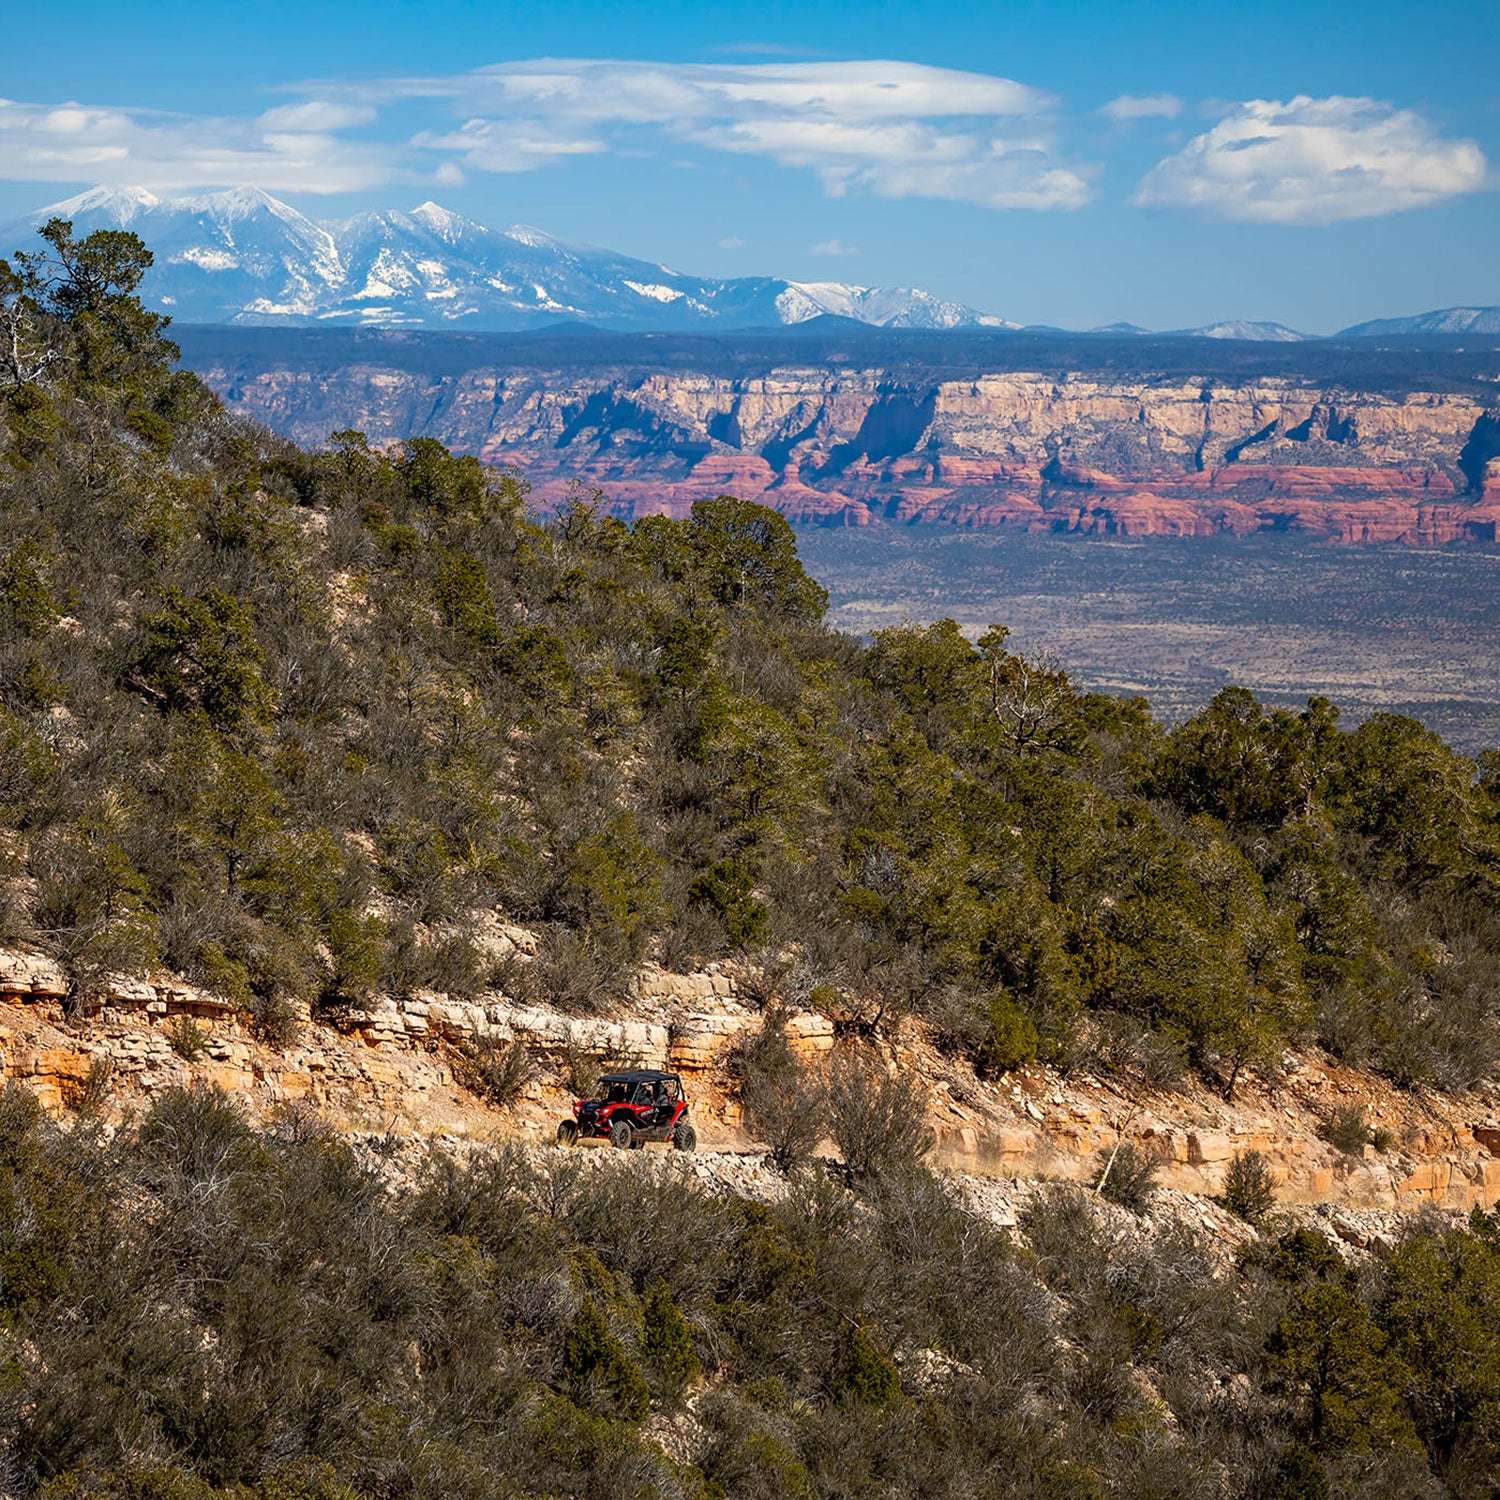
123, 204
242, 255
233, 203
524, 234
1476, 320
1241, 328
442, 221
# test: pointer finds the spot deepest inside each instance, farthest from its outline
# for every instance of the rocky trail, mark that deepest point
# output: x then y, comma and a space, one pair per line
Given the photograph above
390, 1077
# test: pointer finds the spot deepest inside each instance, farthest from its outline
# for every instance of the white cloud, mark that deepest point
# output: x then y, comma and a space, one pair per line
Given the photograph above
606, 90
1312, 161
506, 145
834, 247
317, 114
892, 128
293, 148
731, 242
1130, 107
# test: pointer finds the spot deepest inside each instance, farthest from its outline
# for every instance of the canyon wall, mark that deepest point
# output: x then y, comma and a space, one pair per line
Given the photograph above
1093, 454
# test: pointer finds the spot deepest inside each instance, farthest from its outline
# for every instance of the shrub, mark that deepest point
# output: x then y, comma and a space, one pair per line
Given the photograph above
786, 1105
1127, 1176
1299, 1476
668, 1341
1249, 1189
597, 1370
1345, 1130
1060, 1226
494, 1070
727, 890
578, 971
1303, 1255
879, 1121
88, 1095
274, 1020
581, 1069
1128, 1048
863, 1374
1010, 1037
185, 1037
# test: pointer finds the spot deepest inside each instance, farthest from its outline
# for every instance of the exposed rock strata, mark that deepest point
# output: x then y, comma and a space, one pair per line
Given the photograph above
390, 1068
1127, 457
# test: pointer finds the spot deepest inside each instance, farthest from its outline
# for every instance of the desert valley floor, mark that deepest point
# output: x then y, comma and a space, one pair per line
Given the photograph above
1374, 628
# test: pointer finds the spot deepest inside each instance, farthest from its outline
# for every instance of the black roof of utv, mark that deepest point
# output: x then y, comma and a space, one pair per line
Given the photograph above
638, 1075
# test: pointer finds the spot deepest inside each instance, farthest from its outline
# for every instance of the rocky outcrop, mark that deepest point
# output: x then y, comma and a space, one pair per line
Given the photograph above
1127, 456
394, 1066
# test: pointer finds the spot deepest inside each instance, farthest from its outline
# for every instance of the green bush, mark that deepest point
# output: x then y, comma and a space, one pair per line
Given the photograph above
1127, 1176
185, 1038
864, 1375
1298, 1476
1249, 1188
1010, 1038
597, 1371
668, 1341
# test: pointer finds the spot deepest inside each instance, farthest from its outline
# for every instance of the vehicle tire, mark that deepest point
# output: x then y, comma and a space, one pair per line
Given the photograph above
622, 1135
684, 1138
567, 1132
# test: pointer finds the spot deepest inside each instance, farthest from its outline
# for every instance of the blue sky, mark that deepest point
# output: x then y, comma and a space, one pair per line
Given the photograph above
1167, 164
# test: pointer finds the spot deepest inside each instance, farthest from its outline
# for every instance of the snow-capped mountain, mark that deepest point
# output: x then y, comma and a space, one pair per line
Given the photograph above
1484, 320
1232, 328
1247, 331
242, 256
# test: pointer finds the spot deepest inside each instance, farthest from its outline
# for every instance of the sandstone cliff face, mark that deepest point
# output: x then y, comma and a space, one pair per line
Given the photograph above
856, 447
390, 1069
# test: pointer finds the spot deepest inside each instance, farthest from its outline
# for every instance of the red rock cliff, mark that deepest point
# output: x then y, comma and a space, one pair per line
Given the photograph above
1079, 453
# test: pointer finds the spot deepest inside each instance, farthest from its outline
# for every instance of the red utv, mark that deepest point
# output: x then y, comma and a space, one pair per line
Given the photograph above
630, 1109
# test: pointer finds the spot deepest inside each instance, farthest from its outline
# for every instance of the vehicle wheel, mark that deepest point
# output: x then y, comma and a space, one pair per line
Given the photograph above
684, 1138
567, 1132
621, 1135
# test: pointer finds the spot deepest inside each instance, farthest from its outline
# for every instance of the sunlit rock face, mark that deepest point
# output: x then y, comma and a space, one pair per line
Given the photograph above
1130, 457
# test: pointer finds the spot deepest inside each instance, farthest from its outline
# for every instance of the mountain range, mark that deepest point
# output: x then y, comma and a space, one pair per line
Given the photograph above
242, 256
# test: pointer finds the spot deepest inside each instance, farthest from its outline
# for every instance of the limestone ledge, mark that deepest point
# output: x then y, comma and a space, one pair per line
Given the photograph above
395, 1058
32, 978
685, 1041
672, 1034
1452, 1167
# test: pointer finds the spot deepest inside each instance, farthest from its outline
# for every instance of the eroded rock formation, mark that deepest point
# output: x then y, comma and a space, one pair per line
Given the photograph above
1078, 453
390, 1067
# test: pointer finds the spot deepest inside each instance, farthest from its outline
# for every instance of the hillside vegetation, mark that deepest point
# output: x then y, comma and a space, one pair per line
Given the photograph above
285, 722
289, 723
194, 1311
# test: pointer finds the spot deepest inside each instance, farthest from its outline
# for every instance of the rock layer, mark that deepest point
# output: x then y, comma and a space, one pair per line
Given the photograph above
1078, 453
391, 1067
